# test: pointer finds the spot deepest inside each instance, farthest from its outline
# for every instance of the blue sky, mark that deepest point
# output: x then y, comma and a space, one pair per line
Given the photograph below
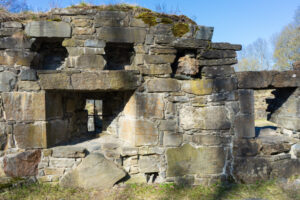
235, 21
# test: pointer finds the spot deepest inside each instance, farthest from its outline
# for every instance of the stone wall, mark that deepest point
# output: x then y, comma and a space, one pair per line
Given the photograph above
172, 109
261, 98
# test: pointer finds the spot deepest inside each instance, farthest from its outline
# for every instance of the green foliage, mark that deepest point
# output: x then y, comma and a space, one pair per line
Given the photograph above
148, 18
166, 20
287, 47
179, 29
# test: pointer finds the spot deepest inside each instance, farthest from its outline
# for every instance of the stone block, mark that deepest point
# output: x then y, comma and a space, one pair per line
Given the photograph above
19, 57
28, 86
163, 39
118, 34
134, 22
246, 101
160, 59
57, 132
62, 162
156, 69
78, 51
187, 65
22, 164
149, 164
48, 29
15, 43
28, 75
11, 24
55, 81
217, 71
295, 151
214, 62
30, 136
163, 85
208, 118
218, 54
92, 62
111, 18
198, 87
167, 125
83, 31
95, 43
95, 172
138, 132
172, 139
24, 106
291, 169
251, 80
187, 160
204, 33
145, 106
224, 84
7, 81
162, 50
3, 135
73, 43
190, 43
226, 46
81, 22
69, 152
210, 140
53, 171
244, 126
246, 147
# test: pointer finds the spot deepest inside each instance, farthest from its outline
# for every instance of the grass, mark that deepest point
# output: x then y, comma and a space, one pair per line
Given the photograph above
270, 190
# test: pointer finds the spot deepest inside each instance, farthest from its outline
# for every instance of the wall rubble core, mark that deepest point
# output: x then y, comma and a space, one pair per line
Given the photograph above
173, 110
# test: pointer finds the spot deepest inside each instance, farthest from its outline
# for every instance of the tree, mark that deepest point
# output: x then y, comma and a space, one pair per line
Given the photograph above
287, 44
254, 57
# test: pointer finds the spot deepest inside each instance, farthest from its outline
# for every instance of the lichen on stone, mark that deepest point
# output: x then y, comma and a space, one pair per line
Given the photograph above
179, 29
148, 18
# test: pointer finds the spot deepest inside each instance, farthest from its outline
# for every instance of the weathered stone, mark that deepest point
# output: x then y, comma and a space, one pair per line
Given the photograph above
128, 35
214, 62
48, 29
287, 79
251, 169
78, 51
110, 18
19, 57
68, 152
24, 106
53, 171
164, 39
156, 69
163, 85
190, 43
204, 33
92, 62
73, 43
285, 168
162, 50
129, 151
95, 43
172, 139
94, 172
28, 86
149, 164
187, 65
134, 22
57, 132
167, 125
55, 81
160, 59
296, 65
198, 87
295, 151
22, 164
218, 54
82, 22
138, 132
12, 24
210, 140
62, 162
7, 81
210, 118
3, 136
105, 80
189, 160
83, 31
226, 46
246, 101
244, 126
246, 147
29, 136
145, 105
217, 71
224, 84
15, 43
28, 75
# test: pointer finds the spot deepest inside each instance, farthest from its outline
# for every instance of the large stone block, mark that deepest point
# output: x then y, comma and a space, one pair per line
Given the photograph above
210, 118
69, 152
24, 106
23, 164
111, 19
261, 79
3, 135
28, 75
226, 46
246, 101
224, 84
217, 71
7, 81
214, 62
138, 132
187, 65
190, 43
15, 43
153, 69
28, 86
204, 33
94, 172
55, 81
118, 34
218, 54
163, 85
210, 140
145, 105
149, 164
198, 87
160, 59
19, 57
48, 29
57, 132
244, 126
91, 62
29, 136
246, 147
189, 160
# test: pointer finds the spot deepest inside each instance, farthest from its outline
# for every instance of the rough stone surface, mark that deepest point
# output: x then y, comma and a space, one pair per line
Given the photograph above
48, 29
187, 65
163, 85
117, 34
28, 75
68, 152
22, 164
198, 87
189, 160
94, 172
7, 81
204, 33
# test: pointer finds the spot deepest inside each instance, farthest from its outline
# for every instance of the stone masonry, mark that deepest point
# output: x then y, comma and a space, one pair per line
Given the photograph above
173, 109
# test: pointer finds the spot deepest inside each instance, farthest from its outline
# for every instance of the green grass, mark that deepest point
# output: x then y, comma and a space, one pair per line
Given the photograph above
270, 190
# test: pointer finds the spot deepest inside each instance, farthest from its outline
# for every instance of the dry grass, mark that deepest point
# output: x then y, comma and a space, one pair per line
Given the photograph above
270, 190
23, 16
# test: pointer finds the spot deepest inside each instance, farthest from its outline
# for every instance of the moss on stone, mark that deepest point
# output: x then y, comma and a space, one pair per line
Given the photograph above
148, 18
179, 29
166, 20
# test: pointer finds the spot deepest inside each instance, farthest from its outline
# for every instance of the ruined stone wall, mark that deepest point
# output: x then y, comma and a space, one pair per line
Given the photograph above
261, 98
172, 110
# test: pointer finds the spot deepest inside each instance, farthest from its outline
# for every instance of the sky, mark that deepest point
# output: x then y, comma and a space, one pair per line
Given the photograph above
235, 21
